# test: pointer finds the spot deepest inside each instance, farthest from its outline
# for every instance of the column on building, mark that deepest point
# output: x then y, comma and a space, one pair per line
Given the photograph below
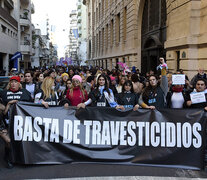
6, 63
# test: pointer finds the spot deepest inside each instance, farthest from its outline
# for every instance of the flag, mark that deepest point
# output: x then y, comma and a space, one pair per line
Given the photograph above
63, 62
58, 63
124, 67
70, 62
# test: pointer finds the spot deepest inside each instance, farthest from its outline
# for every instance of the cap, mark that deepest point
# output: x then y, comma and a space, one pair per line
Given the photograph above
17, 78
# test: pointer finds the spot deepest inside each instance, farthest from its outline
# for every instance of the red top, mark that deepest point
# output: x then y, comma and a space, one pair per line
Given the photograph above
77, 96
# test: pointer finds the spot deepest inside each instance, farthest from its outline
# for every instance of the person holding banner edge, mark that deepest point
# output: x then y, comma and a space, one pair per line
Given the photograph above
200, 87
12, 95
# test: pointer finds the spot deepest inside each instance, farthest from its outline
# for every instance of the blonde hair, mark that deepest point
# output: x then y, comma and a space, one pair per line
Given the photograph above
81, 88
47, 84
9, 85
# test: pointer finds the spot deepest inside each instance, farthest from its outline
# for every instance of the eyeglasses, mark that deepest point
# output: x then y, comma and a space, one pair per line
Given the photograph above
21, 76
69, 83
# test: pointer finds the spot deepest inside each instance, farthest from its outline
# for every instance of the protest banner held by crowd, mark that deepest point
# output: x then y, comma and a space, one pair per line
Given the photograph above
121, 89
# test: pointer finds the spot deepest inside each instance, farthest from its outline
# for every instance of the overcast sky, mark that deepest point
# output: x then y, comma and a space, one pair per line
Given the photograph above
58, 14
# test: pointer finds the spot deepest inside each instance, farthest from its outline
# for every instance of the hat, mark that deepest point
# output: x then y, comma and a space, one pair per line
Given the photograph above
64, 74
77, 77
17, 78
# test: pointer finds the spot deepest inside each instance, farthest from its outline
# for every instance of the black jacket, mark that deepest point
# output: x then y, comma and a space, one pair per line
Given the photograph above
21, 95
128, 100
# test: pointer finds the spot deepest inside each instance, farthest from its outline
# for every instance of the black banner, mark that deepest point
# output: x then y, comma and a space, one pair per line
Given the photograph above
167, 138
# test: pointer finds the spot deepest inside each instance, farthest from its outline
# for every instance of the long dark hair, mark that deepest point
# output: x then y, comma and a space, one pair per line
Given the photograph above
105, 85
128, 82
149, 88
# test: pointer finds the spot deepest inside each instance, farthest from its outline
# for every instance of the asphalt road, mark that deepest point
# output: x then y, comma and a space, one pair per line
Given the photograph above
89, 170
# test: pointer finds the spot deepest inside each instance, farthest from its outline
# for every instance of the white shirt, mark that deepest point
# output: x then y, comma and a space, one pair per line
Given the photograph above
177, 100
31, 89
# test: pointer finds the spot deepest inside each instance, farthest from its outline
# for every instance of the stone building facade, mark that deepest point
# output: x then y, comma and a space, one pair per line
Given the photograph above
138, 32
15, 33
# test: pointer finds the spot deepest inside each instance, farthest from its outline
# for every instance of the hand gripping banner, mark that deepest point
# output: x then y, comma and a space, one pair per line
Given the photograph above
165, 138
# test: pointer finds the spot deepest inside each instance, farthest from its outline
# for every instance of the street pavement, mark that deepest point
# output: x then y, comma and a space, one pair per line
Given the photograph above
83, 171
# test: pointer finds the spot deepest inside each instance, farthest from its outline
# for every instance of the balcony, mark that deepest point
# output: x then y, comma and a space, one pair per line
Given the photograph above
5, 15
79, 19
26, 2
24, 22
79, 4
79, 12
25, 46
32, 8
33, 28
9, 3
79, 26
24, 19
33, 51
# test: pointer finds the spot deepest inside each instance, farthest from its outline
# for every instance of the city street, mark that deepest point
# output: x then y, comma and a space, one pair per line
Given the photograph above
91, 170
103, 89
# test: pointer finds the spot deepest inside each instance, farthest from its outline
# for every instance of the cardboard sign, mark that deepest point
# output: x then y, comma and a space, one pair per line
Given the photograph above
178, 79
198, 97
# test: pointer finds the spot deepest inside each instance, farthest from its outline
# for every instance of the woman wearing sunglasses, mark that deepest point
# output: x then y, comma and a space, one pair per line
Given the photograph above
76, 94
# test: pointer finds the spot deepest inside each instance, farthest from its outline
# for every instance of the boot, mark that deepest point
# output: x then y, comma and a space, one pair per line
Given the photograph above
7, 158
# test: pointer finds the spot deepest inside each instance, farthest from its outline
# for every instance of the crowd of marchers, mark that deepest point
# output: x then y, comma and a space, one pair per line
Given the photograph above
94, 86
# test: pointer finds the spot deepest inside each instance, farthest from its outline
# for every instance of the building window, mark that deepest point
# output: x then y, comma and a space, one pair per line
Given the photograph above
124, 61
94, 19
107, 28
103, 3
102, 41
99, 11
125, 23
154, 15
89, 22
112, 32
96, 16
118, 28
99, 43
3, 28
